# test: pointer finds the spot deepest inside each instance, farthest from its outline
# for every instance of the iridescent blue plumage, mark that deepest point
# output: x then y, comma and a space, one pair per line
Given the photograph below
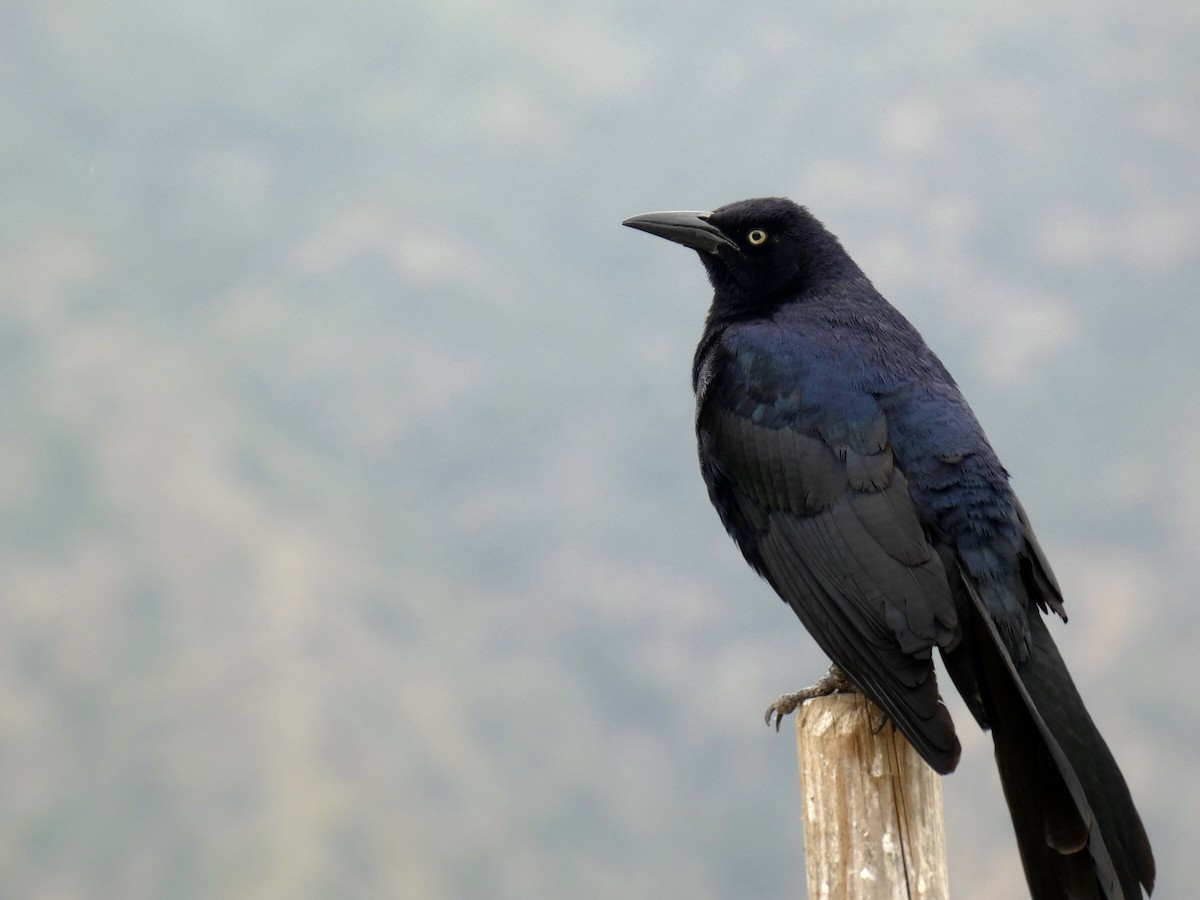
854, 477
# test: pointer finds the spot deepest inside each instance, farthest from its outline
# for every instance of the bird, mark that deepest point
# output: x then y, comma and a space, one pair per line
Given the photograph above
847, 466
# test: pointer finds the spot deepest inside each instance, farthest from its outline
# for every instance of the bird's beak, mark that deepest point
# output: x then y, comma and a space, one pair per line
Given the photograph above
692, 229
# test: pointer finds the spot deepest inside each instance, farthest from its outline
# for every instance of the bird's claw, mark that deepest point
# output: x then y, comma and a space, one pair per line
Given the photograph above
833, 682
783, 706
880, 723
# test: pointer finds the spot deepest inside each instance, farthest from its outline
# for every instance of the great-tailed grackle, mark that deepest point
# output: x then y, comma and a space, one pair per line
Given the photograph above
845, 463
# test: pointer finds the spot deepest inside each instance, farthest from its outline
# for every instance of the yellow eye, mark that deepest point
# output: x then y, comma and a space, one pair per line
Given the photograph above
757, 237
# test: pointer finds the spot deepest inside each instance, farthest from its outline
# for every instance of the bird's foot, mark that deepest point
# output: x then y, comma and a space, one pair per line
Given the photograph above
833, 682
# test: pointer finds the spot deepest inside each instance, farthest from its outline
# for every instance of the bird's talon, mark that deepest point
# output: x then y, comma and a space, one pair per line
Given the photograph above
784, 705
833, 682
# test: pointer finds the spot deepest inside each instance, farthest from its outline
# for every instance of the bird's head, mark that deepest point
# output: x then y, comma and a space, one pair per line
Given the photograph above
757, 252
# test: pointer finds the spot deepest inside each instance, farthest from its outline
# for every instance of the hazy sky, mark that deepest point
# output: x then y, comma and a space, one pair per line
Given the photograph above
351, 538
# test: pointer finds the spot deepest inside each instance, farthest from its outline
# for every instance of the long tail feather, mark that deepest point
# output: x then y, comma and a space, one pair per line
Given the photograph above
1078, 832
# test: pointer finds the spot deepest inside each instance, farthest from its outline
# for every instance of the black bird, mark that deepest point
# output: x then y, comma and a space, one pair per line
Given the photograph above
845, 463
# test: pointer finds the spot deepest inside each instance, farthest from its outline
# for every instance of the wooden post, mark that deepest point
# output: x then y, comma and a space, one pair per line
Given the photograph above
873, 825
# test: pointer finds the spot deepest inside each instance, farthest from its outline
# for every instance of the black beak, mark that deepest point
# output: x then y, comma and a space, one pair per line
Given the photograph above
692, 229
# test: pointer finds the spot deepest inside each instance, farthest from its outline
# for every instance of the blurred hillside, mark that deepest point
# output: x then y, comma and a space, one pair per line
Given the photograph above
351, 539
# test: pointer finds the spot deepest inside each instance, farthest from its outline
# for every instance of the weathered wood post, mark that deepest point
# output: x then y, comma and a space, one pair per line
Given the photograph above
872, 807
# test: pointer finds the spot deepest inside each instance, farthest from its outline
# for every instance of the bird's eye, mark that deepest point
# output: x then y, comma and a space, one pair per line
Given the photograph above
757, 237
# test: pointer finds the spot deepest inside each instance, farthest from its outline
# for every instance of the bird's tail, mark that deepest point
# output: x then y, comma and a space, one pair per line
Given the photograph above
1077, 829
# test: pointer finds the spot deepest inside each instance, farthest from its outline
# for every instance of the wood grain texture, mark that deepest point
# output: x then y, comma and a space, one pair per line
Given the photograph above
872, 807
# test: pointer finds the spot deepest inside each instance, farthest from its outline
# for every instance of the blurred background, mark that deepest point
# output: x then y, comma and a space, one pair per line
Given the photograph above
351, 538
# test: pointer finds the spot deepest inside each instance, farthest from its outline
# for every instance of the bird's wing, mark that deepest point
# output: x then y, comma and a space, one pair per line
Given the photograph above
805, 480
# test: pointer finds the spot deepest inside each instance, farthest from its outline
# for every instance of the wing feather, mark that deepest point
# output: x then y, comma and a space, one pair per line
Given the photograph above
834, 530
